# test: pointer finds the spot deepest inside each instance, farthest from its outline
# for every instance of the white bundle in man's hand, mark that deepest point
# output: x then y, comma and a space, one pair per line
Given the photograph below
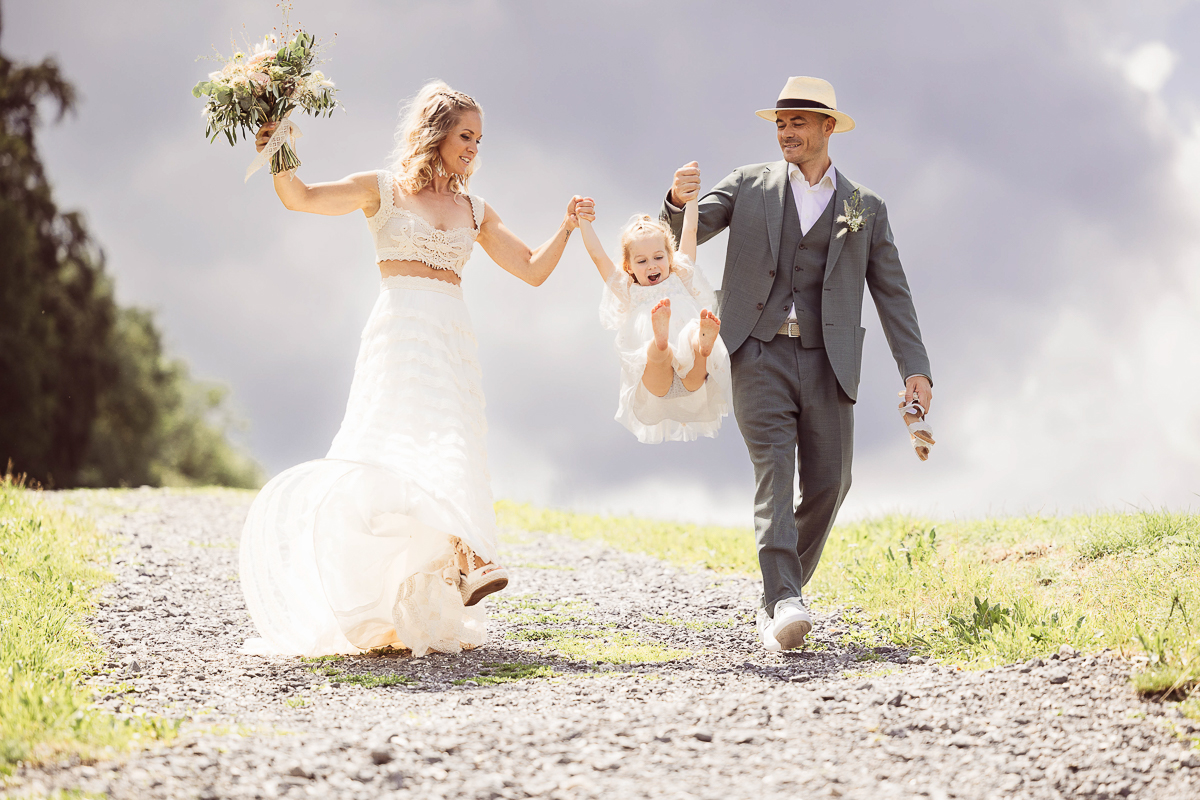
919, 431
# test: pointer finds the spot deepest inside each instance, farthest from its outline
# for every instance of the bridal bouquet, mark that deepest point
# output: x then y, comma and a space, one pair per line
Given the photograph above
266, 87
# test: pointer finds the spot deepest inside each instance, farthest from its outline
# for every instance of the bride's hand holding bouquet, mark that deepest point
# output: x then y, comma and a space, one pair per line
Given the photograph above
251, 93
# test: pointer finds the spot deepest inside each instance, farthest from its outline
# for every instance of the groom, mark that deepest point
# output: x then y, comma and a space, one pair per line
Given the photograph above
804, 241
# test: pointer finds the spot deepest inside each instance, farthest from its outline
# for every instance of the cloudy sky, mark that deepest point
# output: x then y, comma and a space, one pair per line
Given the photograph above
1040, 159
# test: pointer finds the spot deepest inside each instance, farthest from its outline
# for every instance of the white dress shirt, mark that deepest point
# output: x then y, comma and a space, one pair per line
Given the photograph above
811, 201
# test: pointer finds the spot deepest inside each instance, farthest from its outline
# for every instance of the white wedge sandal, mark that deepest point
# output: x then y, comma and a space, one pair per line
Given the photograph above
918, 429
479, 580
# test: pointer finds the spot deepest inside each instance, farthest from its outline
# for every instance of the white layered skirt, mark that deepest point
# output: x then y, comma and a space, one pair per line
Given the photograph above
357, 550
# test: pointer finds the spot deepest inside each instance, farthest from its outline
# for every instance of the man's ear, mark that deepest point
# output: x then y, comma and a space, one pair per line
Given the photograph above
830, 124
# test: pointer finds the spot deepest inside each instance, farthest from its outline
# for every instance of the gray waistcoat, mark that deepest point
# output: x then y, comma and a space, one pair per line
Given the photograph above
799, 276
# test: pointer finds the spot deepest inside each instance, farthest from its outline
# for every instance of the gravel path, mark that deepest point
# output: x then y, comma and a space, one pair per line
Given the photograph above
707, 714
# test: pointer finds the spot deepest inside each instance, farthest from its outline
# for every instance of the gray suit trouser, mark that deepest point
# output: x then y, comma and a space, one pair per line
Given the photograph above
792, 413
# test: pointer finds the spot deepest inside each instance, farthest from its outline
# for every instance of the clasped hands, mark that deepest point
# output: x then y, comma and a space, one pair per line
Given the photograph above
686, 186
580, 208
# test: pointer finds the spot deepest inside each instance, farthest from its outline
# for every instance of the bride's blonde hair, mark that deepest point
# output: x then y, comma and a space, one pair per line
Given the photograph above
425, 122
640, 225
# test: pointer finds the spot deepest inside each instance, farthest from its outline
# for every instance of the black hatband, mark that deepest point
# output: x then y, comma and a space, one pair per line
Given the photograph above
789, 103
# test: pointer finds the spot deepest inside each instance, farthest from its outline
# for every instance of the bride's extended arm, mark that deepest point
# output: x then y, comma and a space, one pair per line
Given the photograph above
687, 236
513, 255
354, 192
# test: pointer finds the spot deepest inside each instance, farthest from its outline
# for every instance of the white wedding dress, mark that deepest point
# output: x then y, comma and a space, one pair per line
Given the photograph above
358, 550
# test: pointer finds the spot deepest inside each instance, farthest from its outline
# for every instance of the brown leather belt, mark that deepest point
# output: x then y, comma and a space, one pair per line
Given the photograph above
790, 328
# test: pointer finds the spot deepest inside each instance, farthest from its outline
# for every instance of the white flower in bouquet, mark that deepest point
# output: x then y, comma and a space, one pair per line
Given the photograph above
275, 80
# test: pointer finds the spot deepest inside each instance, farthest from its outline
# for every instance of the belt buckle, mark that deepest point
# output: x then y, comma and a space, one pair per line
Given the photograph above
793, 329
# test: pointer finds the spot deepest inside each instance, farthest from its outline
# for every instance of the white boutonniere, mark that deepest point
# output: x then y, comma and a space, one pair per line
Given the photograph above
855, 217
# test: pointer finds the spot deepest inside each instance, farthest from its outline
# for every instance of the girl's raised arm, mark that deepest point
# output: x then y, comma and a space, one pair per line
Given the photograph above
358, 191
687, 236
596, 250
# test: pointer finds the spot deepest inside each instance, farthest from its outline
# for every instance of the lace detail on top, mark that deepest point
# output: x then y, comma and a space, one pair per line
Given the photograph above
402, 235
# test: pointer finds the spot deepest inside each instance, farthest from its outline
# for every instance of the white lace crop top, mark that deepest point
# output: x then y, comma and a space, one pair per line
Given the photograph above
401, 235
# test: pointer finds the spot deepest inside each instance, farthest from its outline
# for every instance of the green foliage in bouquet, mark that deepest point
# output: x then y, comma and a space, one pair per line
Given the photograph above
266, 87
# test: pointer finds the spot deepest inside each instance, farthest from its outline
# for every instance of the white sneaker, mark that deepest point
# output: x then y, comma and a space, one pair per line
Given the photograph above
763, 623
789, 627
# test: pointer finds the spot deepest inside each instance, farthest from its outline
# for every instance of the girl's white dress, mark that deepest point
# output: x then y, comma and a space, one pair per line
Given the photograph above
681, 415
358, 550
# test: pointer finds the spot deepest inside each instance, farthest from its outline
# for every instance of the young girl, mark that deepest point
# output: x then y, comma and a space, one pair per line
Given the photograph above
675, 383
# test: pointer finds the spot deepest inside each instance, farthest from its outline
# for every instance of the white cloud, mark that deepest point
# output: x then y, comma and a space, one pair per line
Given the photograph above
1149, 66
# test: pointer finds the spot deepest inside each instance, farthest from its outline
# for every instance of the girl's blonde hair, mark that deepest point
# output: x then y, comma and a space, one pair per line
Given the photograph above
425, 123
640, 225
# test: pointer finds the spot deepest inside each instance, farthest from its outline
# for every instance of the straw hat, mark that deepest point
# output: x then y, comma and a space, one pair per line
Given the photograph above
809, 94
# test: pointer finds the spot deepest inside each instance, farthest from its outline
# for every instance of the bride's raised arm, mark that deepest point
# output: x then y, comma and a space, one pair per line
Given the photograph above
333, 198
514, 256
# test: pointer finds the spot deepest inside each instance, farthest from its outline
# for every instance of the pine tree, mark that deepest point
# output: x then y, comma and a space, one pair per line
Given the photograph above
87, 396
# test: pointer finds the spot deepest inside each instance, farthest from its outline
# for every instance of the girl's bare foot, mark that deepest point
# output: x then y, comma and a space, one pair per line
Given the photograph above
660, 320
710, 326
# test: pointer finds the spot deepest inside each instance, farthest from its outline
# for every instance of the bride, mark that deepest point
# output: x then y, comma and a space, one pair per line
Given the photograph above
391, 538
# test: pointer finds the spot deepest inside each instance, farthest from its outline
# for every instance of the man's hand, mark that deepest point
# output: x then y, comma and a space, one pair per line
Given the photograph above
686, 185
918, 386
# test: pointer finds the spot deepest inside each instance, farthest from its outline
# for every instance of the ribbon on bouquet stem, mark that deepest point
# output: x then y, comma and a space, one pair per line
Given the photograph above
287, 133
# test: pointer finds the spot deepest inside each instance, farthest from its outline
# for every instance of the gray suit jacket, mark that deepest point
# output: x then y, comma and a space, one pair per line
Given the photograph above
749, 202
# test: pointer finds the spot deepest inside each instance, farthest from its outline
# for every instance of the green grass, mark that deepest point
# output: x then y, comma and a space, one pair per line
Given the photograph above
366, 680
1003, 590
119, 688
721, 549
603, 646
545, 621
527, 610
373, 681
528, 602
859, 674
1150, 532
493, 673
973, 592
690, 624
534, 635
1173, 658
49, 571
